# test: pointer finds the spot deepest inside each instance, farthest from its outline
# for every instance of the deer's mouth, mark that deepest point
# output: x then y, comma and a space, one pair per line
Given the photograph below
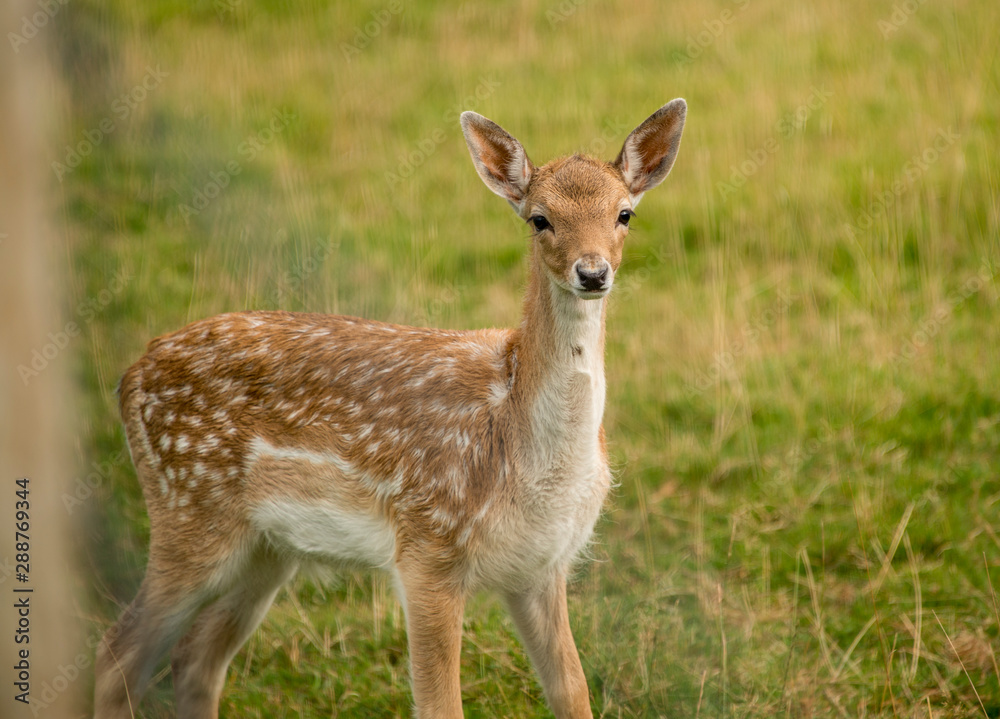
591, 294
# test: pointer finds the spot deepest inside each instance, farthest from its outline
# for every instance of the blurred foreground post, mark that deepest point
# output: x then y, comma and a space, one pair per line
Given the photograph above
39, 653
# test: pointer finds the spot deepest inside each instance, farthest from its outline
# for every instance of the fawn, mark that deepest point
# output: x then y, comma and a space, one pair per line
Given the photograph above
456, 461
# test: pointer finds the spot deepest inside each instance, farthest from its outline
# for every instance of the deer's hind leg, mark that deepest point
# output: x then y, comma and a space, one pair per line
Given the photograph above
201, 658
133, 647
190, 576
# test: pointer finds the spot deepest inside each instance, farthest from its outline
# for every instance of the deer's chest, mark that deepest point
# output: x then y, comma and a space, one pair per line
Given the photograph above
559, 490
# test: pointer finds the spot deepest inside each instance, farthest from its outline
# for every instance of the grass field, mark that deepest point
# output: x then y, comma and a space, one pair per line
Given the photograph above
803, 349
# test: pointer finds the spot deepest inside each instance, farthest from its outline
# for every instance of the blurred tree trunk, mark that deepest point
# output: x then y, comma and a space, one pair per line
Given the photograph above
36, 411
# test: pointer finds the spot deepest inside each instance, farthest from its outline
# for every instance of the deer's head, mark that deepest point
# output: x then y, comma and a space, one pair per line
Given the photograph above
578, 207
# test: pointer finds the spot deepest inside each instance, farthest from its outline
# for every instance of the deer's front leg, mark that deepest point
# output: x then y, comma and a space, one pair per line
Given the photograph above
542, 620
434, 633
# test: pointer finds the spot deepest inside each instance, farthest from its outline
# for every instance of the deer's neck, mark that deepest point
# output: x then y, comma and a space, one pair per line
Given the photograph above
559, 380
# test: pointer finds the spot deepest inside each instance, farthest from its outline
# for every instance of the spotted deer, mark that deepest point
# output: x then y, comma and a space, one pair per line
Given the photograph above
456, 461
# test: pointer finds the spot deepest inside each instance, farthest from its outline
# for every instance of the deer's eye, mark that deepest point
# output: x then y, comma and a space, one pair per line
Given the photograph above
540, 223
624, 216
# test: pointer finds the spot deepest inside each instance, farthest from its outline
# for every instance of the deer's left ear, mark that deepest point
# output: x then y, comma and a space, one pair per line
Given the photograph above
499, 159
649, 152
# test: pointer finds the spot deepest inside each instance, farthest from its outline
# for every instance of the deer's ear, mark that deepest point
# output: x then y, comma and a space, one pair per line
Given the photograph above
649, 152
499, 158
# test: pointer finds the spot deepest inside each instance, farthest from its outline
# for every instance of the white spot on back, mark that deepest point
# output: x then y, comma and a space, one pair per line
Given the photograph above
262, 449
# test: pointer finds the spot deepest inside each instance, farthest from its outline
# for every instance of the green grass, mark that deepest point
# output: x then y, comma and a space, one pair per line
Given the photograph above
803, 346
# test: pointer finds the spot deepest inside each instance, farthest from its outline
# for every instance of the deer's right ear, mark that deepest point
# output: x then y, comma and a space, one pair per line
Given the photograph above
499, 158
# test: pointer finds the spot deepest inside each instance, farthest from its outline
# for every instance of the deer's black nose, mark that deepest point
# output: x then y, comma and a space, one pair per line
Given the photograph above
592, 279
